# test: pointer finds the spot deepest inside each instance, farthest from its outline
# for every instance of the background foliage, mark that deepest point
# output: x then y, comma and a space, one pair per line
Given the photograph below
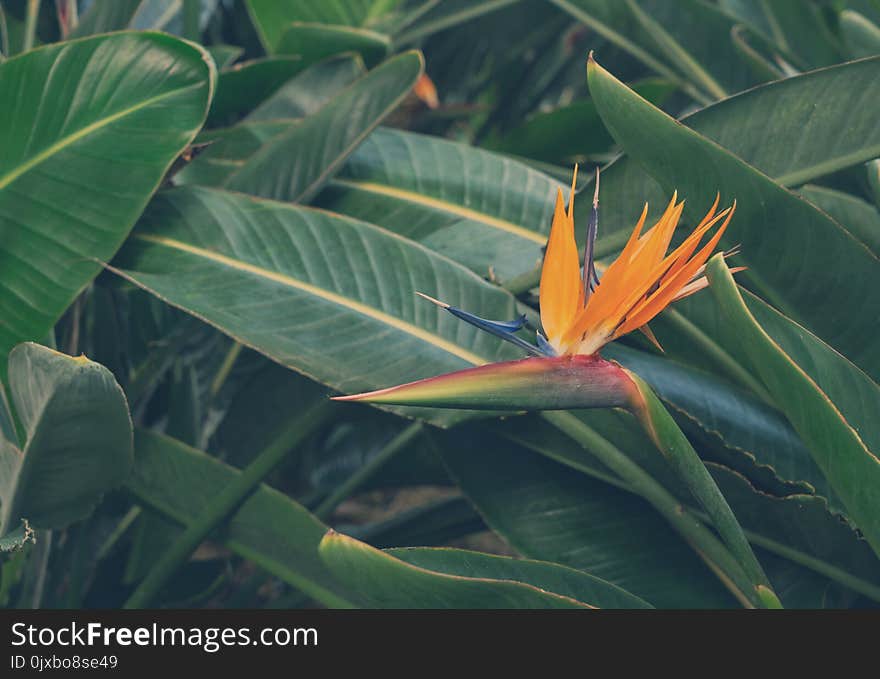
226, 205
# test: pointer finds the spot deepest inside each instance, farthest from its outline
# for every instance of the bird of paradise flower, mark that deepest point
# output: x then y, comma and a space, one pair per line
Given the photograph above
580, 313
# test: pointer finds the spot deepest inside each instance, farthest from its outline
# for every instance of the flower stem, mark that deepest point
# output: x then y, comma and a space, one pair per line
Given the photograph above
677, 450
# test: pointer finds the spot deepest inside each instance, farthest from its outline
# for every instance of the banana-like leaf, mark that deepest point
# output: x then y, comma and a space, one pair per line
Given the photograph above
331, 297
271, 17
317, 41
549, 577
309, 91
297, 164
730, 426
859, 217
486, 211
78, 438
243, 86
571, 130
797, 526
546, 512
860, 34
76, 171
679, 157
750, 126
103, 17
785, 23
829, 402
383, 580
225, 55
693, 32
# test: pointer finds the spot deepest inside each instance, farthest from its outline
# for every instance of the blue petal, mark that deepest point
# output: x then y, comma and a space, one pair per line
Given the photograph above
502, 329
544, 345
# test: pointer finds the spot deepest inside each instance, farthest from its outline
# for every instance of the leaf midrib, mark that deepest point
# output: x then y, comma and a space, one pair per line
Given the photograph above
71, 139
445, 206
327, 295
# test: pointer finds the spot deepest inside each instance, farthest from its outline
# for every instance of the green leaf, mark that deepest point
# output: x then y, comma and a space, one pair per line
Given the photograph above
857, 216
570, 131
317, 298
481, 209
861, 35
104, 17
271, 17
746, 126
549, 577
547, 512
228, 148
801, 528
313, 42
78, 438
309, 91
241, 87
686, 31
796, 280
72, 185
270, 529
224, 55
7, 423
440, 16
677, 450
829, 402
299, 162
384, 580
728, 425
667, 45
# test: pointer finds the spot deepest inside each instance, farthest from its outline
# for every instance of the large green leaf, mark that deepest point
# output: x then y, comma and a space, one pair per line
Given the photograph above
729, 425
270, 529
750, 126
78, 438
549, 577
328, 296
452, 578
802, 529
243, 86
861, 35
693, 37
299, 162
797, 280
547, 512
76, 171
103, 17
271, 17
798, 526
569, 131
316, 41
859, 217
830, 403
478, 208
309, 91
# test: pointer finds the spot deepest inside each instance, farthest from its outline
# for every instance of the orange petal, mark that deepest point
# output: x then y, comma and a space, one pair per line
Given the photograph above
561, 291
652, 306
